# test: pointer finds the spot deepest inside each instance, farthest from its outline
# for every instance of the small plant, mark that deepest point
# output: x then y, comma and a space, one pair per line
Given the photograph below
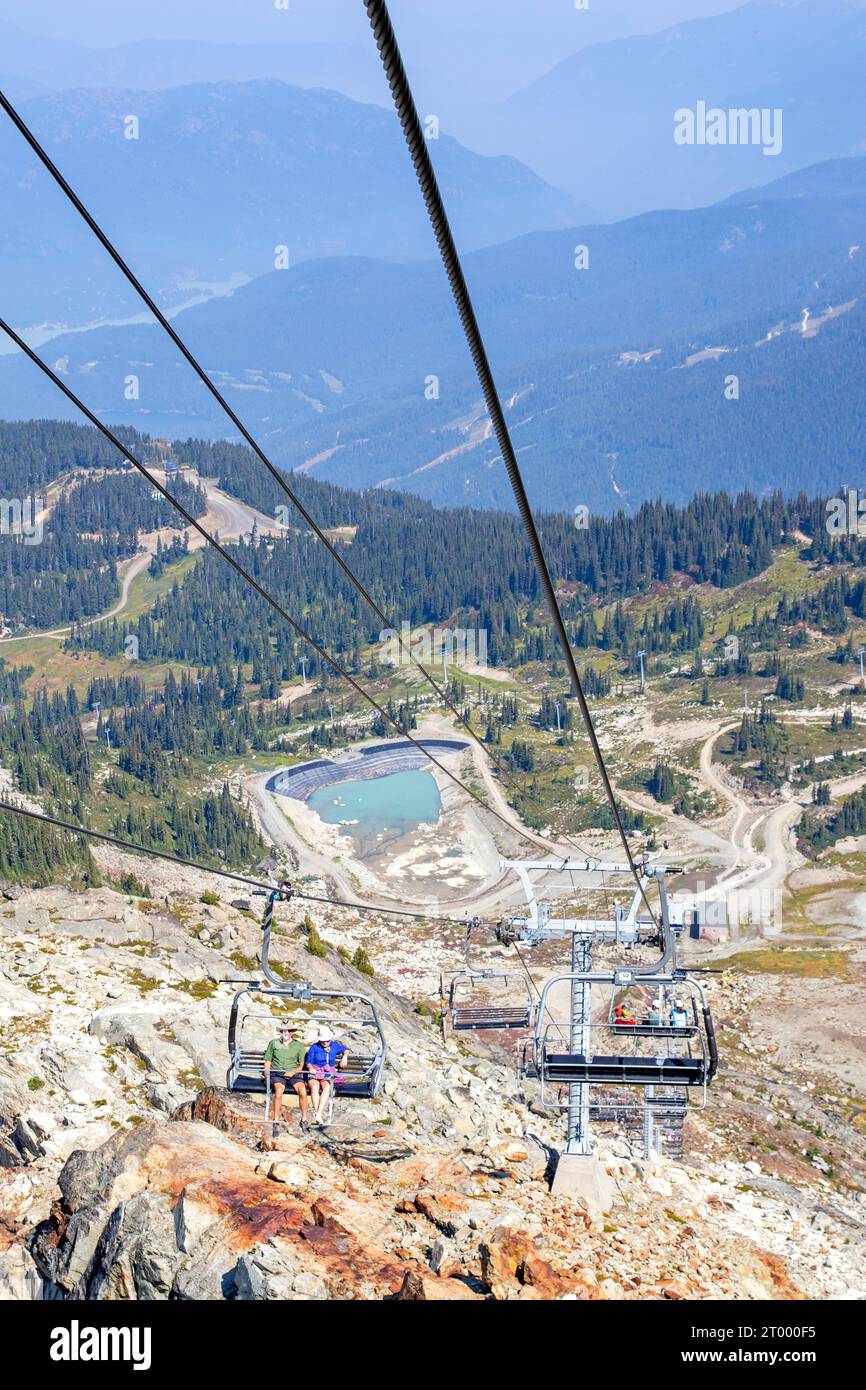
315, 944
131, 885
362, 962
209, 897
35, 1083
242, 962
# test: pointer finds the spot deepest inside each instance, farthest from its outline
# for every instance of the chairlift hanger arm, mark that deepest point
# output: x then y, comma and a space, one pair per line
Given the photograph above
625, 929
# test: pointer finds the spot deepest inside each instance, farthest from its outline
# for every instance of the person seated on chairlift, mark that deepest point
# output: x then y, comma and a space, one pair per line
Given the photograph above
654, 1015
679, 1016
284, 1065
623, 1016
324, 1059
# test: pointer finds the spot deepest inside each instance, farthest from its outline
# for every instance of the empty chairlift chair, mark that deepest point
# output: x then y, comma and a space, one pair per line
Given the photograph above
480, 999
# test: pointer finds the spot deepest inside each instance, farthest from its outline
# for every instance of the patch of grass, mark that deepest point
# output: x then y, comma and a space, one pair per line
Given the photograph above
144, 983
198, 989
804, 964
191, 1078
35, 1083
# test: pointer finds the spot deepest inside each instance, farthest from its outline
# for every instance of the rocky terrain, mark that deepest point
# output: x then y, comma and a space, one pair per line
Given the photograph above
127, 1170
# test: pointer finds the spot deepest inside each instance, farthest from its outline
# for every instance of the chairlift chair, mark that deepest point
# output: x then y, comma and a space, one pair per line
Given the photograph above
642, 1006
470, 1006
689, 1058
251, 1028
360, 1079
513, 1010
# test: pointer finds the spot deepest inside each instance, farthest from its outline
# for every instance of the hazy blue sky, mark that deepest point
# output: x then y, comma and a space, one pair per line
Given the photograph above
525, 36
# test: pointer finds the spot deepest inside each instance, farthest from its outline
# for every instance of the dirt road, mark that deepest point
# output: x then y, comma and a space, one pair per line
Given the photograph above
225, 516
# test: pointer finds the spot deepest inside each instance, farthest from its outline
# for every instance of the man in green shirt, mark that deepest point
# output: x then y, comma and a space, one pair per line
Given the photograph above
284, 1065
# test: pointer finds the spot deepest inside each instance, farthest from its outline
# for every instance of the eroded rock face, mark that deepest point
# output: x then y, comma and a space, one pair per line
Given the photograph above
180, 1210
184, 1210
21, 1134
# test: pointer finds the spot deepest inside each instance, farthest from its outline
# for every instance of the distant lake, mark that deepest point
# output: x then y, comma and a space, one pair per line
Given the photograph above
396, 803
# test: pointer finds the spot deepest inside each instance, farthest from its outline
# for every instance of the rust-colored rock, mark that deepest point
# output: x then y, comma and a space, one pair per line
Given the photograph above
420, 1287
445, 1210
511, 1268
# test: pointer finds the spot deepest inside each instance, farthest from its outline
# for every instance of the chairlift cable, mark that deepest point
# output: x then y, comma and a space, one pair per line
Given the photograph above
380, 21
255, 883
245, 575
532, 983
276, 474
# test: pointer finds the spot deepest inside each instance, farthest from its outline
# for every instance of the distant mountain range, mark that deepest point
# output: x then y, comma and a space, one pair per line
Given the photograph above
601, 123
217, 179
441, 44
616, 377
151, 64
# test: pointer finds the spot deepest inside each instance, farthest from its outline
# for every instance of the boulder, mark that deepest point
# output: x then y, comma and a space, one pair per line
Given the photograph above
419, 1287
178, 1210
511, 1267
287, 1171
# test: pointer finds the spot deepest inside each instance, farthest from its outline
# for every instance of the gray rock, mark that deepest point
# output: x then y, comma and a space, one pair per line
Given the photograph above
19, 1277
272, 1272
137, 1255
67, 1264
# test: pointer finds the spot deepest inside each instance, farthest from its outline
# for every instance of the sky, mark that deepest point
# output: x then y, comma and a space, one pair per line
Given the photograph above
521, 39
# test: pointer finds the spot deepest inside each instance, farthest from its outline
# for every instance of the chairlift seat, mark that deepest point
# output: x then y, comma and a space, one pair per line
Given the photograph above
652, 1030
247, 1075
575, 1069
466, 1018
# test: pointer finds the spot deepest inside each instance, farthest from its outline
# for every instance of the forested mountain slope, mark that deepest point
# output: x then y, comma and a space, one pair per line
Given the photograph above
615, 377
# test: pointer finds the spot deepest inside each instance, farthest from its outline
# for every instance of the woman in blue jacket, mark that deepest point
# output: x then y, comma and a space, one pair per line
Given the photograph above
324, 1059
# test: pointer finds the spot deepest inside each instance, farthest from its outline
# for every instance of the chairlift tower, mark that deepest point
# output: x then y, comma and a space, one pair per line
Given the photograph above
641, 656
579, 1069
861, 652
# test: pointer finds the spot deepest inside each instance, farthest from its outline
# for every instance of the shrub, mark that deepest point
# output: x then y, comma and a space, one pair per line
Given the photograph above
315, 944
362, 962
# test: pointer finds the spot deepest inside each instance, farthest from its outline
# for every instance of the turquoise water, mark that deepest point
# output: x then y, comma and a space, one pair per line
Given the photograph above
393, 803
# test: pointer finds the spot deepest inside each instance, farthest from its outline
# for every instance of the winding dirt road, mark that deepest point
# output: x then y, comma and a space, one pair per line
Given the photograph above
225, 515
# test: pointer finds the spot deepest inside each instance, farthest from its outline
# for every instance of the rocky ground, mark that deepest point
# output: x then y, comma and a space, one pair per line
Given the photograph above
127, 1170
